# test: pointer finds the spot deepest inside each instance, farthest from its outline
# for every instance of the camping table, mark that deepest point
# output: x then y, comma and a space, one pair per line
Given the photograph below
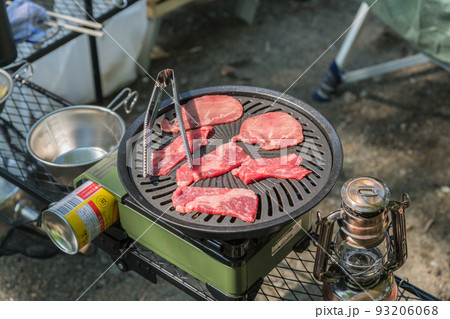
292, 279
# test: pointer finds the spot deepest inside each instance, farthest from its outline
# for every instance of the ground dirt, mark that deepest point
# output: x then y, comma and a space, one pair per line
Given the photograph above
394, 127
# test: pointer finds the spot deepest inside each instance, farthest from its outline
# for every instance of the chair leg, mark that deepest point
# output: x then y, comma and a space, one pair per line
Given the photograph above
329, 84
333, 76
386, 67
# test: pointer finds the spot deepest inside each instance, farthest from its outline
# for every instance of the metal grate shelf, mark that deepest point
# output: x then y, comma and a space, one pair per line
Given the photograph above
26, 104
291, 280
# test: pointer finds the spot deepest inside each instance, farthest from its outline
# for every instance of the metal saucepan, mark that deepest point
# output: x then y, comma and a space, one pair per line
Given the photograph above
70, 140
7, 83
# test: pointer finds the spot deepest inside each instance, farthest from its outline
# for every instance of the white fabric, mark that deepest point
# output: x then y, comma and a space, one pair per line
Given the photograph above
67, 71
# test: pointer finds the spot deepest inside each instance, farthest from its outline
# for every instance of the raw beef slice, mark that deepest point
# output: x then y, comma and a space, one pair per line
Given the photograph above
284, 167
205, 110
164, 160
271, 131
235, 202
223, 159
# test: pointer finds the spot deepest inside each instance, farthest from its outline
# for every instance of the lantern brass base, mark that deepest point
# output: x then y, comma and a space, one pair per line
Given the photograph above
385, 290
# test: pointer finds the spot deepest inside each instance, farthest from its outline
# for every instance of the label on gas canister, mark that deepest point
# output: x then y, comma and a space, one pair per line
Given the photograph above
89, 210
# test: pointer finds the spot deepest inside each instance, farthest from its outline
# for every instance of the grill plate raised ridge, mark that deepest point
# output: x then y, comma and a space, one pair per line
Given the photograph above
280, 201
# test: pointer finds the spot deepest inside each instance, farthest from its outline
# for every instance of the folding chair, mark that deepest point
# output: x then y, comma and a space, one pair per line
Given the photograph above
337, 75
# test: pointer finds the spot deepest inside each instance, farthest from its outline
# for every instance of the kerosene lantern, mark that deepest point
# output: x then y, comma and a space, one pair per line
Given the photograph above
367, 248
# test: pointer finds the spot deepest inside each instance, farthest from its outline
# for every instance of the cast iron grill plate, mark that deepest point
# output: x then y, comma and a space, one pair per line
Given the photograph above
280, 201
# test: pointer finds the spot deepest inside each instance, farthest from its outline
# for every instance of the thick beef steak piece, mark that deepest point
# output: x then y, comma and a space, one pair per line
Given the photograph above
223, 159
235, 202
164, 160
284, 167
271, 131
205, 110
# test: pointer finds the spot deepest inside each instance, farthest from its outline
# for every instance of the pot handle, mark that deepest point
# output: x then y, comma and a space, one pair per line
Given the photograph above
127, 102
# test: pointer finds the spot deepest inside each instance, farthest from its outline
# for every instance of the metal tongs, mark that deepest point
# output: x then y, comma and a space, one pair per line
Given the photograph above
164, 79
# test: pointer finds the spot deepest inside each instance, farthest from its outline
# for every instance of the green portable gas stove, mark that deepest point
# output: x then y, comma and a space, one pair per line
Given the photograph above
229, 255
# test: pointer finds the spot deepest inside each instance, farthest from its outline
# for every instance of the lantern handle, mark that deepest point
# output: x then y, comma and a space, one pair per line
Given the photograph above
324, 228
397, 210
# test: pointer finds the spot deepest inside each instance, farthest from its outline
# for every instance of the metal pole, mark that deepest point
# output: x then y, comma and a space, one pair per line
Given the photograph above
352, 35
333, 76
94, 57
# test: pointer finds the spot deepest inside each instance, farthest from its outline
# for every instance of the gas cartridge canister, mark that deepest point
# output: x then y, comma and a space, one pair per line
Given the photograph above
80, 217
